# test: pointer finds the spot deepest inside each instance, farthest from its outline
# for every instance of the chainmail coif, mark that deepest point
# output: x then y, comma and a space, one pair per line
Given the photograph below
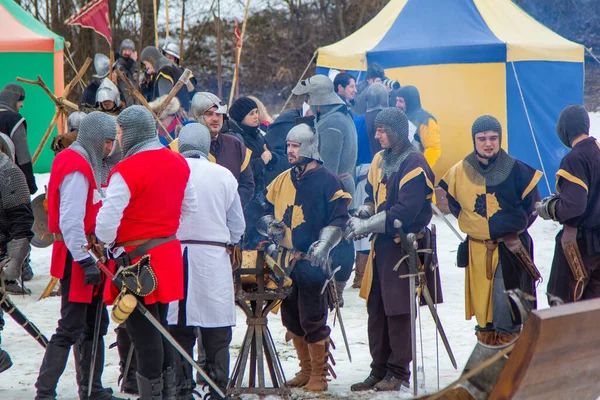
396, 126
486, 123
138, 130
194, 141
95, 128
11, 94
377, 97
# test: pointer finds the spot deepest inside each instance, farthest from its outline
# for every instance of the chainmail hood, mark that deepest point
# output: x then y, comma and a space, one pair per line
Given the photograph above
486, 123
377, 97
574, 120
194, 141
154, 57
396, 124
10, 95
95, 128
7, 147
492, 174
138, 130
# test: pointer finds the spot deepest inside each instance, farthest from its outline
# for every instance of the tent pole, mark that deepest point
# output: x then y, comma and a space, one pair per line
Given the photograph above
537, 149
299, 80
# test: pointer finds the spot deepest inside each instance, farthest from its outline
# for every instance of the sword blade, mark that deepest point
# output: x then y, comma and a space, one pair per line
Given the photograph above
438, 323
95, 345
338, 314
452, 228
413, 332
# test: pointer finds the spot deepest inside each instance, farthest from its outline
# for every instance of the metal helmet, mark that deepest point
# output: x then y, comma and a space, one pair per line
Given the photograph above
101, 65
127, 44
7, 146
171, 48
320, 90
74, 120
204, 101
108, 91
377, 97
308, 139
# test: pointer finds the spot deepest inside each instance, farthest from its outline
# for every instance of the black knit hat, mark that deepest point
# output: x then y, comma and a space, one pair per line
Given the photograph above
241, 107
573, 121
486, 123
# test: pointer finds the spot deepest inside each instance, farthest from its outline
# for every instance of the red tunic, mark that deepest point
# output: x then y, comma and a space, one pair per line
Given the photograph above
65, 163
156, 180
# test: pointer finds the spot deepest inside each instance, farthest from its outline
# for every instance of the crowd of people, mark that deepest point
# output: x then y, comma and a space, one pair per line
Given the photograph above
165, 198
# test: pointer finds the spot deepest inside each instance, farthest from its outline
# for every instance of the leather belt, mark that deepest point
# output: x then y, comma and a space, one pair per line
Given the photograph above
205, 242
143, 246
490, 246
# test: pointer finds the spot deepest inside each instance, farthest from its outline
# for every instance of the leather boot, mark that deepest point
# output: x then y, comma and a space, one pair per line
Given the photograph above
319, 355
339, 286
486, 335
218, 370
98, 391
150, 389
391, 384
503, 339
359, 269
53, 365
184, 383
367, 384
303, 376
127, 378
5, 361
169, 390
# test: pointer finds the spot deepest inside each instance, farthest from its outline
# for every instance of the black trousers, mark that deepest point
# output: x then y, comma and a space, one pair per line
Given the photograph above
389, 337
343, 255
304, 312
77, 320
153, 352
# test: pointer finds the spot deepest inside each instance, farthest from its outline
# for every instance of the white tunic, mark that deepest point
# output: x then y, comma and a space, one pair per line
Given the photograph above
209, 298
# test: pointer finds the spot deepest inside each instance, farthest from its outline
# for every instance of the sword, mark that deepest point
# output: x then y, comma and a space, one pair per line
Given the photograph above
156, 323
95, 345
452, 228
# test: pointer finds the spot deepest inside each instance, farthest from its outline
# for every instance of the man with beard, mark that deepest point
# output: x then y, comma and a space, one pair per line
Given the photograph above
305, 212
338, 148
226, 150
208, 283
127, 62
427, 134
102, 67
575, 206
399, 187
108, 98
147, 193
493, 196
164, 74
13, 125
74, 196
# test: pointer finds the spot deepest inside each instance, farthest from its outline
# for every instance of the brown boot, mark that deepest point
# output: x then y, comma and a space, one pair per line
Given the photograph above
486, 337
359, 270
319, 355
303, 376
502, 339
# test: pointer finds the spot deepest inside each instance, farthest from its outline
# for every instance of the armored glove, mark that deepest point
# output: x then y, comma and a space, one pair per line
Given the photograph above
546, 209
91, 273
271, 227
17, 251
357, 228
365, 211
318, 252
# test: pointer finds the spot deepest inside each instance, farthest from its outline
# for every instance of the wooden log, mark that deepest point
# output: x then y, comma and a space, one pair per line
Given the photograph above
183, 79
45, 138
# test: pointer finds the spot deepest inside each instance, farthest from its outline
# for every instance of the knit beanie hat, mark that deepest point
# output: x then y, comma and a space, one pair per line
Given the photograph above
241, 107
486, 123
573, 121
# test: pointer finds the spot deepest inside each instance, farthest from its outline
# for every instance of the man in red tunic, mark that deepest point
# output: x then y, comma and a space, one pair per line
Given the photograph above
146, 195
74, 196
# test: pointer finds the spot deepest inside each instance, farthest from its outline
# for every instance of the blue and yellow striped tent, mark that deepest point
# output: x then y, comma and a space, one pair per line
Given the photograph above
468, 58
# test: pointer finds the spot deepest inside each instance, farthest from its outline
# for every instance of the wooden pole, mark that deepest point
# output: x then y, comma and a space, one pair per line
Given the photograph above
44, 140
181, 33
299, 80
155, 8
219, 51
167, 16
239, 55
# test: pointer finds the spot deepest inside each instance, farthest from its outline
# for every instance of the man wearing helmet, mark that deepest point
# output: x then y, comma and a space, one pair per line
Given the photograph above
127, 62
306, 209
108, 98
102, 68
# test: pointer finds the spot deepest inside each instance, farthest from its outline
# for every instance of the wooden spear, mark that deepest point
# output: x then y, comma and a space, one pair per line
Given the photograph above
181, 32
167, 16
155, 8
238, 55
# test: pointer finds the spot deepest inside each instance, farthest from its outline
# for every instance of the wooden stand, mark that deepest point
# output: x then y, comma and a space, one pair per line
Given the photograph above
258, 345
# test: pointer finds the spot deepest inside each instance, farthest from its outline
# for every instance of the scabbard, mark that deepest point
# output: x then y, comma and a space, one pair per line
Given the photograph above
568, 242
514, 244
11, 309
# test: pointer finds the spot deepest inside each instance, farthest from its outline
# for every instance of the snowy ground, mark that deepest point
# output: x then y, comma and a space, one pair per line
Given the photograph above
18, 382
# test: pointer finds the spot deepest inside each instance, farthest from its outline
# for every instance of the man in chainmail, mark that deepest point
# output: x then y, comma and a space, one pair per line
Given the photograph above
338, 148
74, 195
162, 75
399, 187
14, 126
493, 196
576, 207
102, 68
305, 212
208, 305
16, 221
147, 194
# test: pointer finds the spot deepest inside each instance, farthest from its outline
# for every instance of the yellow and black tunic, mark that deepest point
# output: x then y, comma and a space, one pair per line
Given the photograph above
404, 195
486, 212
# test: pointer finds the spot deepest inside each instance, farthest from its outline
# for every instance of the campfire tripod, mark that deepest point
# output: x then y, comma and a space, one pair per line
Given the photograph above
258, 345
